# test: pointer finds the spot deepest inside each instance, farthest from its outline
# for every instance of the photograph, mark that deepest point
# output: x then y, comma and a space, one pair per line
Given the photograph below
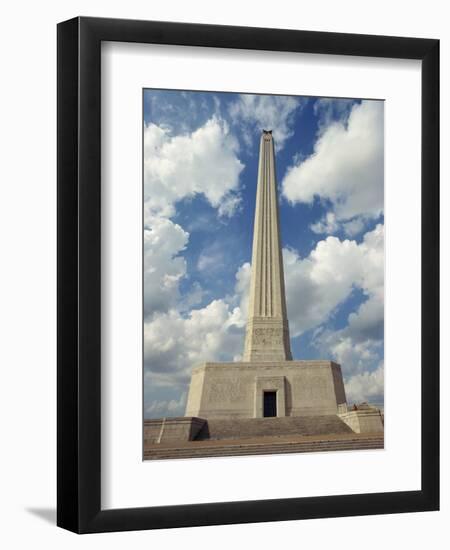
263, 274
229, 328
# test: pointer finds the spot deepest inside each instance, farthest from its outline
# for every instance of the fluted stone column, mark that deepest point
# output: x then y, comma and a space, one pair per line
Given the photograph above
267, 336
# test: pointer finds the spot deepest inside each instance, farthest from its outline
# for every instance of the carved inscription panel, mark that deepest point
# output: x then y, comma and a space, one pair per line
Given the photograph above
231, 390
310, 389
268, 337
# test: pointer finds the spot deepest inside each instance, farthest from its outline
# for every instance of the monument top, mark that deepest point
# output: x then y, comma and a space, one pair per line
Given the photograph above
267, 335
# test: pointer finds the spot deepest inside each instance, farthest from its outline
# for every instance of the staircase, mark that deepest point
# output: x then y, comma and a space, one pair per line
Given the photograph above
238, 428
280, 445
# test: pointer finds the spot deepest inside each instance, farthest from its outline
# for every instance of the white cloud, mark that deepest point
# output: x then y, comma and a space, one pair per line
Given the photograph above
354, 226
327, 224
192, 297
212, 258
345, 169
174, 344
366, 386
163, 266
331, 109
167, 407
358, 347
354, 356
268, 112
243, 276
317, 284
178, 167
230, 204
368, 322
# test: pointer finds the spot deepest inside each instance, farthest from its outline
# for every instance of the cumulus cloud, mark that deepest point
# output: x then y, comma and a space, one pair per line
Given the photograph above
181, 112
243, 277
258, 112
176, 337
345, 169
163, 266
367, 323
212, 259
166, 407
355, 356
317, 284
174, 344
358, 347
176, 167
354, 226
327, 224
332, 109
366, 386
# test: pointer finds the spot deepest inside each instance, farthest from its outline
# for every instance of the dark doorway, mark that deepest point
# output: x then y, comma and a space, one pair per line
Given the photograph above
270, 403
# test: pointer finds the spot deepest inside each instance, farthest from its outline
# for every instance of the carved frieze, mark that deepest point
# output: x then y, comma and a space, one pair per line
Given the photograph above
269, 337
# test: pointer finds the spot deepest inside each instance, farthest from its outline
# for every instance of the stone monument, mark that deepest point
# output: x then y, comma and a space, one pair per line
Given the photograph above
267, 385
267, 382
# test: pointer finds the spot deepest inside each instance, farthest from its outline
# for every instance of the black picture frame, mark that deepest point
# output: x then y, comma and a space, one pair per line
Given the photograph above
79, 277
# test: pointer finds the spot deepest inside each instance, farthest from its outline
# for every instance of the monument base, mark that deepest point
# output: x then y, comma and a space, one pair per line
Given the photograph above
183, 429
261, 389
264, 446
364, 419
168, 430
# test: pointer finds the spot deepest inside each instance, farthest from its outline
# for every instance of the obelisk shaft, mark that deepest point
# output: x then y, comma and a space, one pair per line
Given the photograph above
267, 336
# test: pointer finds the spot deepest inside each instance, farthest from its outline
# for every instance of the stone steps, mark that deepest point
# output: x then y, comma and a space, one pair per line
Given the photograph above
239, 428
197, 450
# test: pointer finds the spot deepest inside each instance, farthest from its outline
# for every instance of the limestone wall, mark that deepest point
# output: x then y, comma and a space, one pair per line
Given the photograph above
166, 430
364, 421
227, 390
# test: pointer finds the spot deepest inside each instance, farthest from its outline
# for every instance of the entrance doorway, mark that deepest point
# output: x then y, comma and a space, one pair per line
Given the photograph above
270, 403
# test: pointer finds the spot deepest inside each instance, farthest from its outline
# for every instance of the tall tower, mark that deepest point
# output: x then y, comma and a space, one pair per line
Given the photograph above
267, 382
267, 336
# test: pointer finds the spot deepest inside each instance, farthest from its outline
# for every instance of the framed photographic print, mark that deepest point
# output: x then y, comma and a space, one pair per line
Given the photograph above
248, 256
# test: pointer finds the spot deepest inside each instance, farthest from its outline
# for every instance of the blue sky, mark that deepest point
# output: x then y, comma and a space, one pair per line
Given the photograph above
200, 172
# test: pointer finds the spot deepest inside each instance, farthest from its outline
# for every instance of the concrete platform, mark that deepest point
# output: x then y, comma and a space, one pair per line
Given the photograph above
264, 446
244, 428
236, 390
